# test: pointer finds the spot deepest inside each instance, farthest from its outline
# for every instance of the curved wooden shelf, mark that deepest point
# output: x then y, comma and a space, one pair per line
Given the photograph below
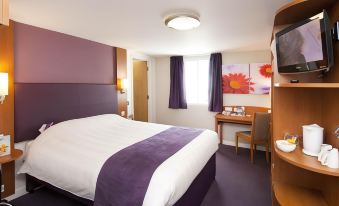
298, 10
307, 85
291, 195
299, 159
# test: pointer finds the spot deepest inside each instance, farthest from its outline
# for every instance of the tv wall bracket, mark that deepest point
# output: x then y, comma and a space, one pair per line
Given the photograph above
335, 31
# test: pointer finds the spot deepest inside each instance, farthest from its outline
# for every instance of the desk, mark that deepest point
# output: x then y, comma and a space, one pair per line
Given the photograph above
245, 120
220, 119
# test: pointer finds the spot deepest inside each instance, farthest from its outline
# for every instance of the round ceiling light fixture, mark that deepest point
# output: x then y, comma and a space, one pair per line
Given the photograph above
183, 21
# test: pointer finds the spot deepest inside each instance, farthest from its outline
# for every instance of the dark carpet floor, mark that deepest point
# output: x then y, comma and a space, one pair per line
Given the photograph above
238, 183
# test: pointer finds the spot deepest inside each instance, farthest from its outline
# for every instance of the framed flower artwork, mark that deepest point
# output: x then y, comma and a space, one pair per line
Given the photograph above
260, 75
236, 79
246, 78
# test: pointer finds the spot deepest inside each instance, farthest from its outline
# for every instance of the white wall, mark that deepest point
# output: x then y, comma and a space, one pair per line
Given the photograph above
198, 115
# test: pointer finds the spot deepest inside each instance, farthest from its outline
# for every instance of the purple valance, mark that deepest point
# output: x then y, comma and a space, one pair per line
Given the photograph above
177, 98
215, 95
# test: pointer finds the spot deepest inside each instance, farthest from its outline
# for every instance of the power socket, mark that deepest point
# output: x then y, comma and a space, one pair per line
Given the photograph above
2, 188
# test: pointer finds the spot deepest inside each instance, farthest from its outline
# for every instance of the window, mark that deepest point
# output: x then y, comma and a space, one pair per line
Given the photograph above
196, 80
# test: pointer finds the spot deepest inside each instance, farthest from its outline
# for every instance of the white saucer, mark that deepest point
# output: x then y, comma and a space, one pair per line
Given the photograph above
310, 153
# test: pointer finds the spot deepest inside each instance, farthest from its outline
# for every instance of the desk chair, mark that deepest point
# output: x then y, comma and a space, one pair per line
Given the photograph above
259, 135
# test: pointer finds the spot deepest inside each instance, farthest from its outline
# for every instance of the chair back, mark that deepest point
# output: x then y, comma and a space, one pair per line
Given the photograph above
261, 126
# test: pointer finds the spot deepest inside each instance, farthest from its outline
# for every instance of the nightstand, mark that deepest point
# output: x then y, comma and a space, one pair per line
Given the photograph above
16, 153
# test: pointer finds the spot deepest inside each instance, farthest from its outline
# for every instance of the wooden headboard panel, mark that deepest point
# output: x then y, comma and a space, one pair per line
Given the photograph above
37, 104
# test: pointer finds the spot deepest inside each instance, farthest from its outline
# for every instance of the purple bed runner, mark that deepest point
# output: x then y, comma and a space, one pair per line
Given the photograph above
125, 176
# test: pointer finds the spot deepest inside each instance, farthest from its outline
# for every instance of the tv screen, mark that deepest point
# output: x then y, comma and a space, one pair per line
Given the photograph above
301, 45
305, 47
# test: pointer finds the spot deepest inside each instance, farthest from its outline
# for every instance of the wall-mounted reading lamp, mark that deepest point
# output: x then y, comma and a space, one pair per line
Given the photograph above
122, 85
3, 86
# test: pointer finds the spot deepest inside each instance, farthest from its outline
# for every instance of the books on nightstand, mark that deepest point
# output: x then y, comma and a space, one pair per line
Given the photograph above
5, 145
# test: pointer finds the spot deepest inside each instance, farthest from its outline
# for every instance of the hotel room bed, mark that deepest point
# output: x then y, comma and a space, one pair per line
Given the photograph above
70, 155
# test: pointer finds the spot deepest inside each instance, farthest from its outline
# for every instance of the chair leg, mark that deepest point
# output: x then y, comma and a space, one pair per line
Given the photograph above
255, 149
252, 148
267, 153
236, 143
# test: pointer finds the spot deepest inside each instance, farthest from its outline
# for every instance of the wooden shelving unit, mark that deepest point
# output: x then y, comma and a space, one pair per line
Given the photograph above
291, 195
307, 85
299, 159
298, 179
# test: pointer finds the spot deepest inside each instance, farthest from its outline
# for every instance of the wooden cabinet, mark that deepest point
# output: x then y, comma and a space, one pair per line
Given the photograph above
121, 67
4, 12
298, 179
7, 175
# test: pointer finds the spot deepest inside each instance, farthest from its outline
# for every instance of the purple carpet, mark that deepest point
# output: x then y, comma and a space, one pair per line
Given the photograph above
238, 183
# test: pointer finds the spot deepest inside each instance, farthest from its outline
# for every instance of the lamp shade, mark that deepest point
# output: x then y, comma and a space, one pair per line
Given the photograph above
3, 84
122, 84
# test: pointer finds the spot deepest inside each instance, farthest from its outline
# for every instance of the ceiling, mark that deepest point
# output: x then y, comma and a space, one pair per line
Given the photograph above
226, 25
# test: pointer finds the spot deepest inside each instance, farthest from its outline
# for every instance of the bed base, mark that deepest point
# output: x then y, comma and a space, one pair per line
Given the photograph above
193, 196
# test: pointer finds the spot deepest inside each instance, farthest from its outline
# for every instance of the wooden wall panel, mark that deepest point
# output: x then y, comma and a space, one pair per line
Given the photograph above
292, 109
330, 189
331, 97
7, 109
121, 59
330, 116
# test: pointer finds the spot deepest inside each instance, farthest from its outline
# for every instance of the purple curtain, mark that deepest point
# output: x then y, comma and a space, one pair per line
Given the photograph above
177, 98
215, 95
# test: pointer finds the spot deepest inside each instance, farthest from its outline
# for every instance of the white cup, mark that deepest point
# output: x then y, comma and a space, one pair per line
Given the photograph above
323, 151
332, 160
323, 157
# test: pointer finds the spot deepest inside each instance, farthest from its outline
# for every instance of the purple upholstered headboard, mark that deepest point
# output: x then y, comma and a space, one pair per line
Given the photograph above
37, 104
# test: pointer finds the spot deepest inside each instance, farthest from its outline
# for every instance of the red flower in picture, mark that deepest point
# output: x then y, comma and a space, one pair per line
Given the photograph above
266, 70
237, 83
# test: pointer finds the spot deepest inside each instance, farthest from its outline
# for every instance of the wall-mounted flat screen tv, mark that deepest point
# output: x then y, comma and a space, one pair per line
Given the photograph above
305, 46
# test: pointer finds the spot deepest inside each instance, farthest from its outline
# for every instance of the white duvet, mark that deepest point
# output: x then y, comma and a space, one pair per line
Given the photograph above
69, 155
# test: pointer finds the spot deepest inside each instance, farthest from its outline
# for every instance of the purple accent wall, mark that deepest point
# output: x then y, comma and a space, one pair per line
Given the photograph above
43, 56
38, 104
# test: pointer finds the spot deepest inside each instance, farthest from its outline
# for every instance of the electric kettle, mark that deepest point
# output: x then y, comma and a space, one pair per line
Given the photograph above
313, 136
